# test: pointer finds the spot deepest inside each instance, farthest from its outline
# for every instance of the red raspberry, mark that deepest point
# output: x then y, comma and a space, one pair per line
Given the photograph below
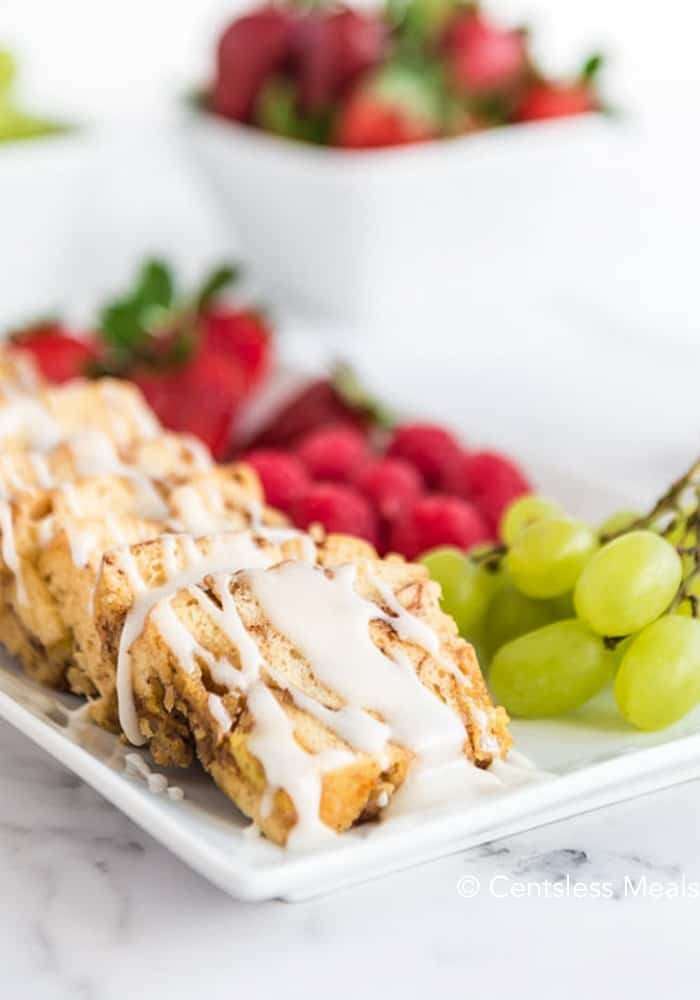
338, 508
492, 481
432, 450
58, 355
335, 452
438, 520
391, 485
282, 475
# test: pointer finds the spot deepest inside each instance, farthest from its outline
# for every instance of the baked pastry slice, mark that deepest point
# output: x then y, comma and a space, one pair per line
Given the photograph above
46, 599
74, 524
52, 546
311, 692
223, 498
18, 373
133, 578
41, 419
170, 458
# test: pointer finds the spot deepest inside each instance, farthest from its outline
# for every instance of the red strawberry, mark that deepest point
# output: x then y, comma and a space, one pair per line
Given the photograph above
242, 335
338, 508
201, 398
334, 49
491, 481
320, 403
333, 453
555, 100
438, 520
432, 450
391, 485
395, 107
282, 475
484, 59
161, 392
58, 355
250, 49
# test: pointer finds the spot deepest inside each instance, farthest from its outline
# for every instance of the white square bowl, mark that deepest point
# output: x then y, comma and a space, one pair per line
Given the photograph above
387, 234
42, 214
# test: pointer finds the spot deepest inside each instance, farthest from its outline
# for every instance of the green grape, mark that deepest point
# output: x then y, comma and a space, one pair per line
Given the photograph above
659, 678
7, 72
522, 513
466, 587
512, 614
551, 671
546, 559
563, 607
618, 522
628, 583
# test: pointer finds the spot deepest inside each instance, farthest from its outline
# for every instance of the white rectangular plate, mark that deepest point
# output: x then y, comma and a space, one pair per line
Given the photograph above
594, 759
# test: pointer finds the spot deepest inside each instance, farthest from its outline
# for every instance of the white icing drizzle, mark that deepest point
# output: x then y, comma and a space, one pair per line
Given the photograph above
287, 765
94, 454
336, 642
228, 552
279, 535
13, 479
199, 454
41, 470
412, 629
24, 377
9, 550
70, 495
144, 418
81, 544
193, 513
45, 529
219, 713
26, 416
114, 529
406, 625
290, 767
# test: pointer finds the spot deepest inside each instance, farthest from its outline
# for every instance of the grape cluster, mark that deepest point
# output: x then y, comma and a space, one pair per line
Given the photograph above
558, 609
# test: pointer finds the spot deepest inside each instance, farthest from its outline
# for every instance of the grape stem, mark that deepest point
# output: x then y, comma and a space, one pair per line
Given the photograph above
489, 558
667, 513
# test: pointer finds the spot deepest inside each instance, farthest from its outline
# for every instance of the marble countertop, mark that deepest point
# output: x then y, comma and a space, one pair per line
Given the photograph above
92, 908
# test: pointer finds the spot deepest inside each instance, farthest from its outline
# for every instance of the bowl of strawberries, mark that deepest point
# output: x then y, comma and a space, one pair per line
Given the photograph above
371, 162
